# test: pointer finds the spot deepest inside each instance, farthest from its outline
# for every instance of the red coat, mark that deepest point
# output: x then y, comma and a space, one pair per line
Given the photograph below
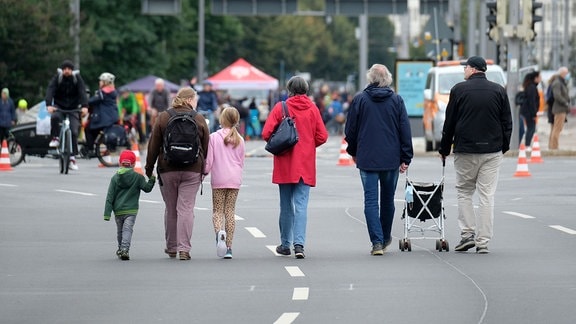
300, 162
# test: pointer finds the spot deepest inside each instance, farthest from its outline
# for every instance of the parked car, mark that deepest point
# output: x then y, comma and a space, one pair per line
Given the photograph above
439, 82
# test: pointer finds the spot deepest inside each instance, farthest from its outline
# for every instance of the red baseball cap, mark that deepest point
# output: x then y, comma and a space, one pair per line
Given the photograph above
127, 156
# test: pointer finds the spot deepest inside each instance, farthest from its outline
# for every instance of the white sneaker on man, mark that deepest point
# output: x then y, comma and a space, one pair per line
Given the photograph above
55, 142
73, 166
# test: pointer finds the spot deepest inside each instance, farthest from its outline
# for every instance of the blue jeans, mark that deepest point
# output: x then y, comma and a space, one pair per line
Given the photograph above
209, 115
293, 213
124, 226
379, 218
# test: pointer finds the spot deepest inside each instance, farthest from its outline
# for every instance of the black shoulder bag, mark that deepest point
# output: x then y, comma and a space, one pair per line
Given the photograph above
285, 136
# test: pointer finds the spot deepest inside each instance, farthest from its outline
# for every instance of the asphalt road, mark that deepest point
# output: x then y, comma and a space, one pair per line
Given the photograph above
57, 262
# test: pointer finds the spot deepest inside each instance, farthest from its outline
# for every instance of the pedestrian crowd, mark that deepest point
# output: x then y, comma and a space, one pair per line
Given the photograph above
197, 133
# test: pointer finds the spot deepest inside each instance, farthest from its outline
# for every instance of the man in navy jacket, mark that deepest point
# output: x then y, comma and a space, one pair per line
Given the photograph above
380, 141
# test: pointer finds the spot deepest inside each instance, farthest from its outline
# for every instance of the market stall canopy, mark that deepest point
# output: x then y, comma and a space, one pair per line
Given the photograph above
242, 75
146, 84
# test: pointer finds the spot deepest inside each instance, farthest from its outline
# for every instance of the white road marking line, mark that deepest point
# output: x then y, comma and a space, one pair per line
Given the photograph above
287, 318
564, 229
150, 201
255, 232
7, 185
76, 192
294, 271
252, 288
238, 218
200, 208
516, 199
300, 293
519, 215
351, 287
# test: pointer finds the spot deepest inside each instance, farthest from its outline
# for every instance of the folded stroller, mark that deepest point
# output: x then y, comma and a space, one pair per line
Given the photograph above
424, 205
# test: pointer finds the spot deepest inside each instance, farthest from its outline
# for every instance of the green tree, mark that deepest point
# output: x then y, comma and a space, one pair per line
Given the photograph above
34, 39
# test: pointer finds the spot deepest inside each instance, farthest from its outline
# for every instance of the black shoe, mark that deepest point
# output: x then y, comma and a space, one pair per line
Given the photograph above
124, 256
377, 249
299, 251
283, 250
465, 244
482, 250
119, 253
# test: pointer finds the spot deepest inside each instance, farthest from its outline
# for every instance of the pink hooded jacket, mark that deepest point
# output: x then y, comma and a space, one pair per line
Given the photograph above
224, 162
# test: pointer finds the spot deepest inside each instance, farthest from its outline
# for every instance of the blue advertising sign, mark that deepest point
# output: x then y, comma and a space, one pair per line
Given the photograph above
410, 84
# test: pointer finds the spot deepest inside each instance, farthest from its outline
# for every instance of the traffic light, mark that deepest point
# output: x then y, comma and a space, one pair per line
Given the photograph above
497, 17
530, 17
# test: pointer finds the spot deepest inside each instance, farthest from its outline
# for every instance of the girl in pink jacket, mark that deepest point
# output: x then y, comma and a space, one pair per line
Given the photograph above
225, 162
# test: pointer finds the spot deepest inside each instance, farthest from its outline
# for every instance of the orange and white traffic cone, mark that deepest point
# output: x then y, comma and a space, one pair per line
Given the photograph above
5, 158
535, 155
522, 167
138, 165
344, 159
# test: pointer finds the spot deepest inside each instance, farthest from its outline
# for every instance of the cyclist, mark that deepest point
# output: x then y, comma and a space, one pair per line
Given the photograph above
66, 91
103, 109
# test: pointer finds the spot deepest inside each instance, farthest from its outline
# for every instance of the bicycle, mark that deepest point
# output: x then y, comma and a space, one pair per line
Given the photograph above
64, 149
15, 150
110, 139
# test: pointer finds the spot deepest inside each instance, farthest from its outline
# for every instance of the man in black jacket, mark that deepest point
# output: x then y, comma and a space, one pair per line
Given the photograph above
66, 91
479, 124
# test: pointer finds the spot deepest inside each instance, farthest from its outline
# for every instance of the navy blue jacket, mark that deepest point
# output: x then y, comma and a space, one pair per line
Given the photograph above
7, 113
207, 101
103, 108
378, 130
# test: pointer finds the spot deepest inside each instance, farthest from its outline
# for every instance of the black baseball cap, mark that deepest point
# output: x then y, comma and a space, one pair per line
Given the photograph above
476, 62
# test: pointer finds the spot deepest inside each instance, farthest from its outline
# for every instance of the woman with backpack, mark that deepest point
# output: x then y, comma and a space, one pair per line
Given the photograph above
179, 144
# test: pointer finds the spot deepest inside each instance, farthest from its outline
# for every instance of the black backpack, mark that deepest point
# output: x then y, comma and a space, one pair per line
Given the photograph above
181, 139
520, 98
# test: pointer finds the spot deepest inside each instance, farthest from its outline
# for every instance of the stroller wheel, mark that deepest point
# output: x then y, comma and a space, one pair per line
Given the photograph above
445, 245
408, 245
438, 246
401, 244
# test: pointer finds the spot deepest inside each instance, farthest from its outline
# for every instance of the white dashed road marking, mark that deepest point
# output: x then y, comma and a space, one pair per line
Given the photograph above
564, 229
255, 232
273, 249
294, 271
519, 215
287, 318
7, 185
76, 192
238, 218
300, 293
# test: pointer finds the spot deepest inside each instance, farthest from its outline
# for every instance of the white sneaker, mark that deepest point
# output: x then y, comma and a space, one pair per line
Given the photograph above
221, 247
73, 166
55, 142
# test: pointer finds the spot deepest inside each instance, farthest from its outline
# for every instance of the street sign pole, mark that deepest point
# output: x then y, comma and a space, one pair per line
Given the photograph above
201, 35
513, 56
363, 20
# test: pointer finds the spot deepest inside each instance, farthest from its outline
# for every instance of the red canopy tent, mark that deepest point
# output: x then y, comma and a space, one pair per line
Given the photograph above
243, 75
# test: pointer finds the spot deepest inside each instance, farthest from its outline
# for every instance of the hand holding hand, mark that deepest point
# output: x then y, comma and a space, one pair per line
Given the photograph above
51, 109
84, 111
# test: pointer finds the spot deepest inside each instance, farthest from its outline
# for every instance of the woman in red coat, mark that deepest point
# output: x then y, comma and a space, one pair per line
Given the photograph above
295, 170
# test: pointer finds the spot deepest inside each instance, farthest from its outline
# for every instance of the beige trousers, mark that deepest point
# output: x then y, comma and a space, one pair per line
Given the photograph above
476, 172
559, 120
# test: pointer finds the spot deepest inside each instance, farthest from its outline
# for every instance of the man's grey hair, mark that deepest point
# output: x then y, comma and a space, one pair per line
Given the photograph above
297, 86
563, 71
379, 75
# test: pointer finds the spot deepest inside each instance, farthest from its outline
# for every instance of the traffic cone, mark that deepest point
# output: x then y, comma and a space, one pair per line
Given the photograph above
522, 167
5, 158
136, 151
344, 159
535, 156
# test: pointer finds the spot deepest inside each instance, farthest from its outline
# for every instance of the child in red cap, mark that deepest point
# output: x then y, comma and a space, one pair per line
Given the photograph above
122, 199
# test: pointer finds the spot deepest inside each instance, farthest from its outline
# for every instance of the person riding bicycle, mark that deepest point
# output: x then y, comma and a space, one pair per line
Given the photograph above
103, 109
66, 91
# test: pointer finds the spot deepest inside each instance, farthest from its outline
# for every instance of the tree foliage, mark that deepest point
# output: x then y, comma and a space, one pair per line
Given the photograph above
116, 37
